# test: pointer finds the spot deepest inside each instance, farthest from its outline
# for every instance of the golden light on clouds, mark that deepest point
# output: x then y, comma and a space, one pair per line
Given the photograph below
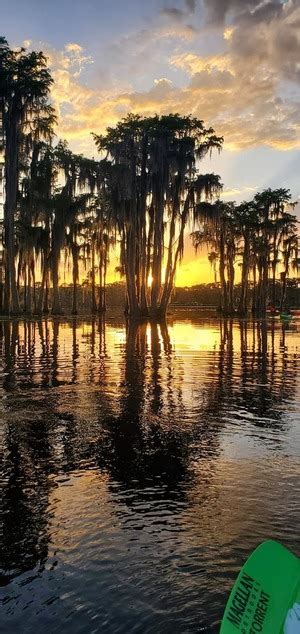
228, 33
236, 90
237, 68
247, 87
194, 63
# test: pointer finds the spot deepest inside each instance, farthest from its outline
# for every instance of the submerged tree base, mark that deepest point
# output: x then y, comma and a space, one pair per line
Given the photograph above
143, 316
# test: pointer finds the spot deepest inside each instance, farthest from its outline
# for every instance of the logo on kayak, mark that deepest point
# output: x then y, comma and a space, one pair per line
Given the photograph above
248, 607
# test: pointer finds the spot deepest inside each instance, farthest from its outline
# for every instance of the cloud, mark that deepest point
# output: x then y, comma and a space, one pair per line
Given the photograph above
271, 44
214, 80
248, 88
218, 10
252, 90
175, 13
235, 191
191, 5
72, 47
193, 63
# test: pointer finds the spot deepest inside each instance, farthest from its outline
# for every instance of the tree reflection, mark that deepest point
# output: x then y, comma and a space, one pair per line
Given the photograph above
141, 446
147, 427
254, 379
24, 500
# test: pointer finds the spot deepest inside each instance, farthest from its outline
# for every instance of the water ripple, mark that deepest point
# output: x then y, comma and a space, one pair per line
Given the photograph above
139, 468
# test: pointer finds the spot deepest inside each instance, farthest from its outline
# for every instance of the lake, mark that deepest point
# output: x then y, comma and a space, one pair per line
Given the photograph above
140, 467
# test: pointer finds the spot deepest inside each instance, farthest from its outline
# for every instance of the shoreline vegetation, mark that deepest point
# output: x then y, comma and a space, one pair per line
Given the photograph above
140, 199
201, 297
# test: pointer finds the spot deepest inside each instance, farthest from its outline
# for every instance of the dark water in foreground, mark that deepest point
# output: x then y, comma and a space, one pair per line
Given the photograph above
139, 470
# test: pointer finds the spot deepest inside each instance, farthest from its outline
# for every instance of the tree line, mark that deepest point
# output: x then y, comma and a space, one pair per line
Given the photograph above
140, 198
258, 235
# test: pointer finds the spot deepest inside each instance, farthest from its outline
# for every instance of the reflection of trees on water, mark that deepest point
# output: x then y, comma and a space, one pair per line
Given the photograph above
140, 445
26, 466
257, 378
149, 438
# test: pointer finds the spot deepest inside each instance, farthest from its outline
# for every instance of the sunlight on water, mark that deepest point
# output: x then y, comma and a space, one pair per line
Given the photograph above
139, 467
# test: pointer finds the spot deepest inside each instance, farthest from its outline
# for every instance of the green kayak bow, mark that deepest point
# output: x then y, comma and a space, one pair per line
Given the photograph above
266, 589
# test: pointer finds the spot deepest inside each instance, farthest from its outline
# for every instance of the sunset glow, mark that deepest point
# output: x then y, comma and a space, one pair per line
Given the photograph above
188, 57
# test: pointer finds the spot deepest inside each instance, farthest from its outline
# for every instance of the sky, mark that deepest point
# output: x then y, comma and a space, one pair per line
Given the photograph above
233, 63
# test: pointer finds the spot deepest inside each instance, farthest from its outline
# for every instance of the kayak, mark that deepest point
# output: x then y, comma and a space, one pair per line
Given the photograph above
266, 593
286, 316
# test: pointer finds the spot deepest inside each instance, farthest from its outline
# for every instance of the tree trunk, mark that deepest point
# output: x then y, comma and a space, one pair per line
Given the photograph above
1, 285
11, 188
254, 294
75, 278
283, 291
42, 291
143, 230
231, 282
243, 302
101, 302
274, 283
170, 284
133, 305
157, 250
104, 283
56, 306
94, 301
25, 290
262, 287
224, 296
46, 297
264, 298
29, 293
34, 289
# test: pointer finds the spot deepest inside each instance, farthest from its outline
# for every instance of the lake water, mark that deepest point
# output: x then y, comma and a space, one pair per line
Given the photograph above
139, 468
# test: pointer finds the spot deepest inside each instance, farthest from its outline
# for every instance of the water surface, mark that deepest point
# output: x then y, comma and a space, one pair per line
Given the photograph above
140, 467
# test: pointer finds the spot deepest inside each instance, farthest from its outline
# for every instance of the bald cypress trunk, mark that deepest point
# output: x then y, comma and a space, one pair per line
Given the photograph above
169, 278
254, 292
42, 290
75, 268
243, 302
29, 291
46, 296
157, 248
94, 301
169, 284
274, 283
224, 297
11, 188
143, 231
56, 306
